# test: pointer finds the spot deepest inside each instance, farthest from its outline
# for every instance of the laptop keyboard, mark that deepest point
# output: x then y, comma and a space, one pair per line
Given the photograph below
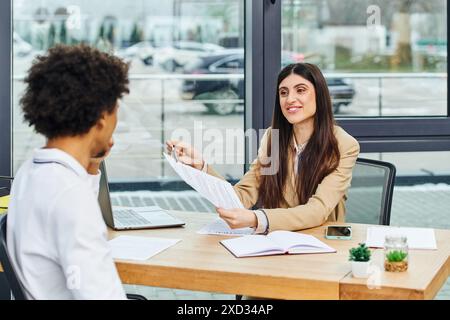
127, 217
169, 200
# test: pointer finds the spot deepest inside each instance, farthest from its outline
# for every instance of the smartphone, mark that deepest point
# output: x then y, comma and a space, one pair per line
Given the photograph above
338, 232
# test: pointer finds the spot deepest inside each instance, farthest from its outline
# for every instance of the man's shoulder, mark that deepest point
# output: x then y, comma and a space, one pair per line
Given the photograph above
51, 182
23, 169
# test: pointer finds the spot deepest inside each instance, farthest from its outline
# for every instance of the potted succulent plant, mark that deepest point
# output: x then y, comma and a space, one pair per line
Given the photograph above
360, 258
396, 261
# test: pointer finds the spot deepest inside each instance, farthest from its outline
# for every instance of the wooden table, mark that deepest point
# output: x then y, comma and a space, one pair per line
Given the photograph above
201, 263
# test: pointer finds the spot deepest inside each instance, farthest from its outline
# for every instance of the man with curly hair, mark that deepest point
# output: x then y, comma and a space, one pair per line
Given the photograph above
56, 234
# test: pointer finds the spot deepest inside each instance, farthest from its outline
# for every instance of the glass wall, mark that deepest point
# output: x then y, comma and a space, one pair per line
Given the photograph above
187, 74
380, 57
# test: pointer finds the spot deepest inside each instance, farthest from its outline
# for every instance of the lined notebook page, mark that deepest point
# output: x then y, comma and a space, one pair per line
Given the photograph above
253, 245
294, 241
277, 242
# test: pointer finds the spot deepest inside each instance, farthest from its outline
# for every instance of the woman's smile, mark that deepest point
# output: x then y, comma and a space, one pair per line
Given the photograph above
294, 109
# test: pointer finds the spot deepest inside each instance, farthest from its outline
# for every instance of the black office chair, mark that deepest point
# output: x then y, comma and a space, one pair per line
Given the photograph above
370, 195
11, 276
4, 191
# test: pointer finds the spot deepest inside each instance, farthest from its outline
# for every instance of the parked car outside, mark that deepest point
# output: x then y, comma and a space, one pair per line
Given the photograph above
342, 92
227, 92
230, 93
180, 53
142, 50
168, 57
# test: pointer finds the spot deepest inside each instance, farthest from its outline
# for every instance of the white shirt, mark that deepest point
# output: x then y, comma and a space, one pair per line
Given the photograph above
298, 150
56, 235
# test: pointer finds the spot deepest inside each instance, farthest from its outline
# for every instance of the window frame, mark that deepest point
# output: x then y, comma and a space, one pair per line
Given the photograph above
6, 88
262, 65
383, 134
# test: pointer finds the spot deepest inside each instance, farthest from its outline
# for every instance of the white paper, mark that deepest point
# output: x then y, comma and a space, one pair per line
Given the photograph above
294, 240
220, 227
217, 191
139, 248
418, 238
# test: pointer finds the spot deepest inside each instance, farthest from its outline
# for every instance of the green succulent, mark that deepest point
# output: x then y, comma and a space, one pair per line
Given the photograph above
360, 253
396, 256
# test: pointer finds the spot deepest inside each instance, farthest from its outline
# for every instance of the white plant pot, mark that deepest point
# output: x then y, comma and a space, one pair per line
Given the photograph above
360, 269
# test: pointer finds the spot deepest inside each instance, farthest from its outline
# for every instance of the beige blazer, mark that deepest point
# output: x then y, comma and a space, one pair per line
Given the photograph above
327, 204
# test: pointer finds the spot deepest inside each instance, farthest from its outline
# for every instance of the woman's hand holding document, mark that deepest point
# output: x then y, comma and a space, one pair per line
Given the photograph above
277, 242
219, 192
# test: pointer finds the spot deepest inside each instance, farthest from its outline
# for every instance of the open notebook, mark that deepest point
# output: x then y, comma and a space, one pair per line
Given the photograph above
277, 242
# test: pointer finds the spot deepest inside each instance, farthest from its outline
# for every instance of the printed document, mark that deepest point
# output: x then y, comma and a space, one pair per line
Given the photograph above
139, 248
217, 191
220, 227
418, 238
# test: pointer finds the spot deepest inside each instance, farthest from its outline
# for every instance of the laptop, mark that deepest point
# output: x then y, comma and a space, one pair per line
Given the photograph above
131, 218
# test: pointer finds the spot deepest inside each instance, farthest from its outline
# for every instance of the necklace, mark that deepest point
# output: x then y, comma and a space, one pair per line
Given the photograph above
301, 147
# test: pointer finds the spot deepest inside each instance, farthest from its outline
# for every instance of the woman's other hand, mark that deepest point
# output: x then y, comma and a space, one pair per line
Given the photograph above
186, 153
238, 218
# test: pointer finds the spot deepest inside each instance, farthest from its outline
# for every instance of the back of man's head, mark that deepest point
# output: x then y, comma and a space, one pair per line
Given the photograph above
70, 88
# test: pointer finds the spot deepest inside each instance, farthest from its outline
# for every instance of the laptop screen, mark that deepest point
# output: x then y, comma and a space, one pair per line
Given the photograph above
103, 197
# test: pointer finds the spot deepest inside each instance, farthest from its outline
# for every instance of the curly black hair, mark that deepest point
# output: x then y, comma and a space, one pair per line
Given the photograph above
70, 87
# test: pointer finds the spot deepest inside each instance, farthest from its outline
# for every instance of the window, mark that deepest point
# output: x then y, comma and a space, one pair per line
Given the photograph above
389, 57
171, 46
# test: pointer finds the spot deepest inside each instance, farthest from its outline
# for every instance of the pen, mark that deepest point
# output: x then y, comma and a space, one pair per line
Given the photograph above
175, 153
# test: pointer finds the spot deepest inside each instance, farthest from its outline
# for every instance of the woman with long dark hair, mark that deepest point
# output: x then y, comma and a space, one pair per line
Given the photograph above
304, 165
